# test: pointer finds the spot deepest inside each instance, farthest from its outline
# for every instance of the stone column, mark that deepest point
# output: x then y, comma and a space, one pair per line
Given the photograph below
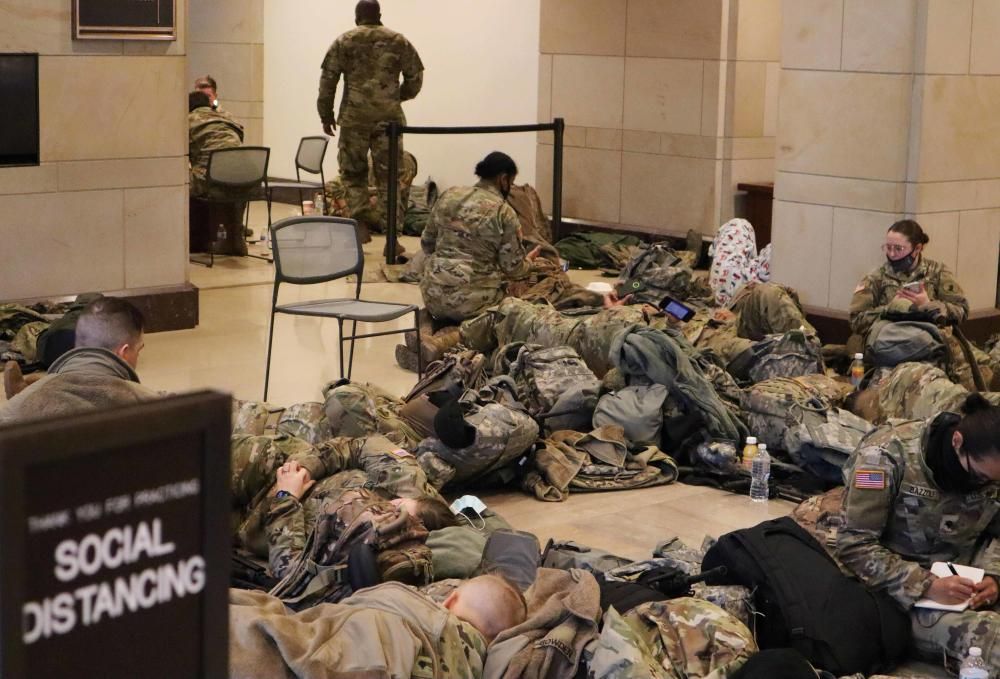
226, 41
668, 105
887, 109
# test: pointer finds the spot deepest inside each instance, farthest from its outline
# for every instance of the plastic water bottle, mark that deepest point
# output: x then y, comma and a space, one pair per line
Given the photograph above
319, 201
760, 472
974, 666
857, 370
749, 451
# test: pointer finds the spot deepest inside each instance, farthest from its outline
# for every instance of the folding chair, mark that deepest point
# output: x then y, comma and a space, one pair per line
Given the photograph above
310, 250
309, 157
243, 168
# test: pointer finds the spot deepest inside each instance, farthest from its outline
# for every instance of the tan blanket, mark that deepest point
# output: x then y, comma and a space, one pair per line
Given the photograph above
564, 609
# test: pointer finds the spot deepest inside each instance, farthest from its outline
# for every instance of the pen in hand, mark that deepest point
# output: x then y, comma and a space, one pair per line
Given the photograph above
952, 569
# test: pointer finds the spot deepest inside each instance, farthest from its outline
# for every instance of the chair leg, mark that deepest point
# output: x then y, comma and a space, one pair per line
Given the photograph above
269, 222
267, 364
340, 338
420, 350
350, 362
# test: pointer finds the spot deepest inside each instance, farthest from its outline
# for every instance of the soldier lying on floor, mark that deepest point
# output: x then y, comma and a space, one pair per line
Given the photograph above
301, 506
910, 391
757, 313
388, 630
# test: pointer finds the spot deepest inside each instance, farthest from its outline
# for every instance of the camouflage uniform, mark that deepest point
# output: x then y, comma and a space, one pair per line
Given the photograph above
336, 465
894, 521
589, 332
876, 294
473, 248
209, 131
371, 58
670, 639
755, 312
875, 297
336, 197
916, 391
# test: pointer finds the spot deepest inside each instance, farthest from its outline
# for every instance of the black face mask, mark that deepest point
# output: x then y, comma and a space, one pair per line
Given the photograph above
903, 264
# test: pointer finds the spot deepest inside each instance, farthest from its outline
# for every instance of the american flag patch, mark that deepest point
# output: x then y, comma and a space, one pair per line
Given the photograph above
869, 478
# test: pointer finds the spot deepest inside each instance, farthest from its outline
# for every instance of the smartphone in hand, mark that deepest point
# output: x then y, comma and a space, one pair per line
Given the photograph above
681, 312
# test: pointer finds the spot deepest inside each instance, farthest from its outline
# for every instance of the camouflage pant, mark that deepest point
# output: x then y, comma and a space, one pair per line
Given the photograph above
760, 310
940, 635
354, 145
454, 303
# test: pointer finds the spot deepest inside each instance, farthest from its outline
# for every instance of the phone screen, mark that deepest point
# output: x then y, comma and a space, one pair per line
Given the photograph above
676, 309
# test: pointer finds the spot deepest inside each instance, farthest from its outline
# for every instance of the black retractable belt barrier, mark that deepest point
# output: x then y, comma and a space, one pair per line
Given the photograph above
395, 130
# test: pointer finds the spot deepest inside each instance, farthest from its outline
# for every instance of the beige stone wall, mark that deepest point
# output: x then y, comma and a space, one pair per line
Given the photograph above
107, 207
668, 105
887, 109
226, 41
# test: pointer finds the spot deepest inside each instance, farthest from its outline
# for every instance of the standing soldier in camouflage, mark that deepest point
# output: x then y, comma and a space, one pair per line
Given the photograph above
919, 492
371, 58
208, 131
473, 244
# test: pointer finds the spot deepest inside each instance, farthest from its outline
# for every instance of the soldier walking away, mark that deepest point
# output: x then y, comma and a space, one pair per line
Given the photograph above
371, 58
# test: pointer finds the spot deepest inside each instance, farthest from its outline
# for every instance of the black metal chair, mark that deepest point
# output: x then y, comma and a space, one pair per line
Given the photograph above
243, 168
309, 158
310, 250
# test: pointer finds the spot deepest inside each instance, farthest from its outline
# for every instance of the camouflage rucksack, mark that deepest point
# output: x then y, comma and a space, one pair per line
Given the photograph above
358, 410
451, 377
658, 272
337, 558
800, 416
772, 406
792, 354
503, 433
555, 382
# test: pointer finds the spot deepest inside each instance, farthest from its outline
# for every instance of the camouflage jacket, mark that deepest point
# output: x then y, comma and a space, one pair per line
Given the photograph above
875, 295
387, 630
377, 463
916, 391
371, 58
896, 521
209, 130
473, 246
672, 639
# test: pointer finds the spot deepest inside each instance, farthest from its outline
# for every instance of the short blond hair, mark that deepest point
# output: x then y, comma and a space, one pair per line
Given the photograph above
497, 602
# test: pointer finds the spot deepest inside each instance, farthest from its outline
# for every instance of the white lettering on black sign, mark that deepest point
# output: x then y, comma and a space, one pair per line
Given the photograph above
116, 548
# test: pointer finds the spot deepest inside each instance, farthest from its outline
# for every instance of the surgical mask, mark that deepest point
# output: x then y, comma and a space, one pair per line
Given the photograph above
903, 264
470, 508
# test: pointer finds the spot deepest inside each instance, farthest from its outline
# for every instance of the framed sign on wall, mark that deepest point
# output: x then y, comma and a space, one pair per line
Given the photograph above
124, 19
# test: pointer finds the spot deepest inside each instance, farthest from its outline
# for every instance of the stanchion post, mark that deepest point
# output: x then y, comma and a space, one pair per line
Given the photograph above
557, 178
392, 193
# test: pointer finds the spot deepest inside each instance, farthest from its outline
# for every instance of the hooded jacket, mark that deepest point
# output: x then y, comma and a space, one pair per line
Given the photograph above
79, 380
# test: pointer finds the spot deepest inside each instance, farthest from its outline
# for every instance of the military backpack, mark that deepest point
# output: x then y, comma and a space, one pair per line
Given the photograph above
555, 384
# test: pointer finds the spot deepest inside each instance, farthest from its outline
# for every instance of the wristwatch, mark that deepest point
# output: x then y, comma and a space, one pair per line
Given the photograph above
282, 494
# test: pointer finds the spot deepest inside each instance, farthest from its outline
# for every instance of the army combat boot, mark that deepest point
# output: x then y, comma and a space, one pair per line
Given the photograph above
13, 381
425, 327
406, 359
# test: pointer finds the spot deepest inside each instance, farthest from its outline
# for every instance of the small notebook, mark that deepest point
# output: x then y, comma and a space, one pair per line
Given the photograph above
940, 569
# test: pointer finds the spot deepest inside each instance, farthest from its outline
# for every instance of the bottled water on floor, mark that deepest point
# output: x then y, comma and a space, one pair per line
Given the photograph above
760, 471
974, 666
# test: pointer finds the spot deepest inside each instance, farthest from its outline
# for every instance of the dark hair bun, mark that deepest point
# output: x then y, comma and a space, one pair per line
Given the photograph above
912, 230
496, 164
975, 403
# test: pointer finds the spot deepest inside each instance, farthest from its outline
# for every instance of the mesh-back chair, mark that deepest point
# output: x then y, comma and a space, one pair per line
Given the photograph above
309, 158
310, 250
242, 168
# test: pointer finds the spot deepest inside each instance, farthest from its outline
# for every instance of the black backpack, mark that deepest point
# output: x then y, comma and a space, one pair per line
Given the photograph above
807, 603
